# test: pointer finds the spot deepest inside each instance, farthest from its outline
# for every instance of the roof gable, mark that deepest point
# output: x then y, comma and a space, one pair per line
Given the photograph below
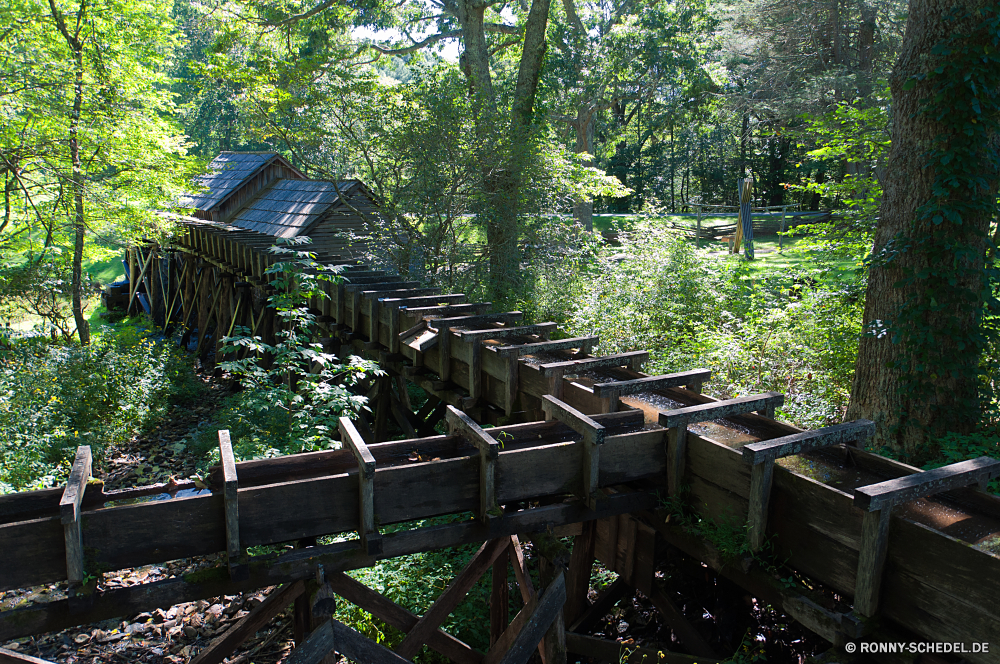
227, 172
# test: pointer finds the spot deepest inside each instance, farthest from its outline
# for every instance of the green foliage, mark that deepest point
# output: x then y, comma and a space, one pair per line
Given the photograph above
54, 397
292, 402
757, 328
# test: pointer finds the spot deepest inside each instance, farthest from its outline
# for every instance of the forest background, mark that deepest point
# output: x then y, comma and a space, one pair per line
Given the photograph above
492, 132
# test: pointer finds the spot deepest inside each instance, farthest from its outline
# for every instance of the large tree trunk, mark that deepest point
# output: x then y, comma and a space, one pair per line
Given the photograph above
899, 381
583, 211
502, 157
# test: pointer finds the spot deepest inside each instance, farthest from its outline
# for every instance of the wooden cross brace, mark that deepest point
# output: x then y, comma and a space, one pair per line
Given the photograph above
460, 424
69, 511
877, 501
371, 539
238, 569
613, 391
554, 371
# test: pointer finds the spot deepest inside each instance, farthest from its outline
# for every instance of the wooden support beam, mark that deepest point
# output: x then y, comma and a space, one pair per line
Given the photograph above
506, 318
499, 597
236, 553
634, 360
388, 611
606, 601
613, 391
371, 539
462, 425
686, 632
225, 645
69, 511
761, 456
877, 501
677, 422
469, 309
336, 636
583, 343
451, 597
581, 563
529, 626
407, 301
593, 437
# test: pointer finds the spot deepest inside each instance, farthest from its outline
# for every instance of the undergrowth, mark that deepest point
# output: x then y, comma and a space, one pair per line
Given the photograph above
56, 396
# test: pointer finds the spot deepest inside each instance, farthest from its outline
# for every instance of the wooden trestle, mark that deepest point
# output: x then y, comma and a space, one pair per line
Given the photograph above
586, 446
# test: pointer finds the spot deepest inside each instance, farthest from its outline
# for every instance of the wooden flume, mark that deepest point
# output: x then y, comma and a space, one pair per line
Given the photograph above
598, 469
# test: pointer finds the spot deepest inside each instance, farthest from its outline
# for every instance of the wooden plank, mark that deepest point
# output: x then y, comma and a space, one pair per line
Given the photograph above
489, 451
620, 653
385, 609
583, 343
371, 540
451, 597
613, 391
954, 476
525, 633
12, 657
406, 302
633, 359
235, 552
222, 646
499, 597
472, 308
807, 441
336, 636
762, 403
507, 332
506, 317
871, 560
69, 511
594, 613
578, 574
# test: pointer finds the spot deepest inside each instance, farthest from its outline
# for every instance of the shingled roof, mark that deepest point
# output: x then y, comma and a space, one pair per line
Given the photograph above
226, 173
290, 207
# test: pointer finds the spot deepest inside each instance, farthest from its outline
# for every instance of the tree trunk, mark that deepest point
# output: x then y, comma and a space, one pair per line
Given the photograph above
917, 325
583, 211
79, 231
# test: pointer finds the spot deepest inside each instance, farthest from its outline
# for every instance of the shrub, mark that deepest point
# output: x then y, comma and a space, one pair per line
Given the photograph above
54, 397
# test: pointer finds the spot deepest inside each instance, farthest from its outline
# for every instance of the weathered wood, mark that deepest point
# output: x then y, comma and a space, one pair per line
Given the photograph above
954, 476
499, 597
385, 609
761, 403
226, 644
614, 391
673, 616
334, 635
634, 359
524, 633
371, 540
489, 451
12, 657
676, 457
807, 441
578, 574
451, 597
593, 438
760, 494
583, 343
871, 560
69, 511
593, 614
506, 318
506, 332
235, 552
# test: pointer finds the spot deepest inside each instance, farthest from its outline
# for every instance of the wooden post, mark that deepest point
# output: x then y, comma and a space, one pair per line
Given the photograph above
783, 208
371, 539
878, 500
69, 511
489, 451
697, 240
593, 437
581, 563
237, 564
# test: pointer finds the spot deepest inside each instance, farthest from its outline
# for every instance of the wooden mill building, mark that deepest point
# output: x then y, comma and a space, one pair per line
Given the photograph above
264, 193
